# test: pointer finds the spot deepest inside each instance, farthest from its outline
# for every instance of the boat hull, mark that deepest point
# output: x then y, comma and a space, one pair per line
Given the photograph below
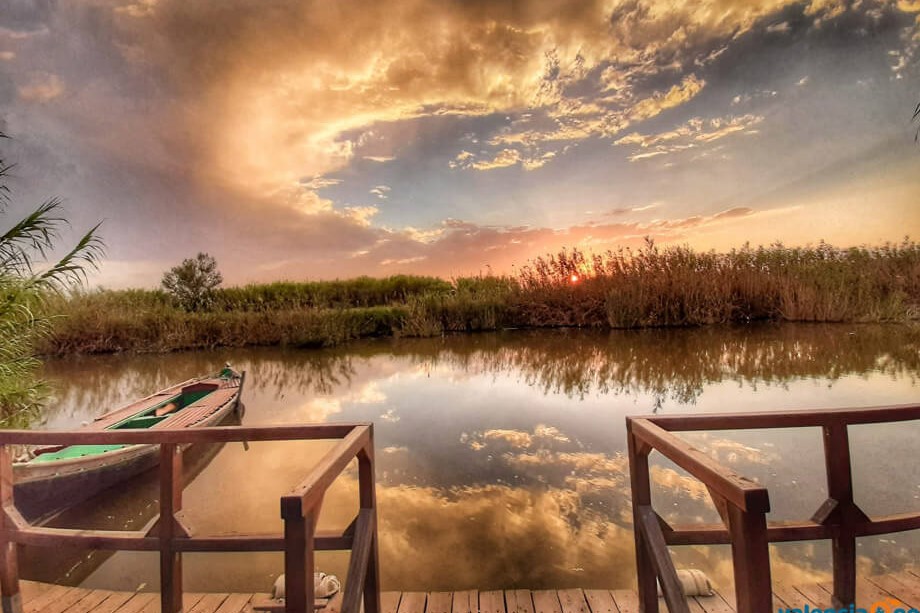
44, 489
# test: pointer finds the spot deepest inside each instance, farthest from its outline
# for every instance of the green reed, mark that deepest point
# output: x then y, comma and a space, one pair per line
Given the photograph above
647, 287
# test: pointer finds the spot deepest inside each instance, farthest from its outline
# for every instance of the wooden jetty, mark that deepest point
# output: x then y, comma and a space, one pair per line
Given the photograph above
742, 504
901, 590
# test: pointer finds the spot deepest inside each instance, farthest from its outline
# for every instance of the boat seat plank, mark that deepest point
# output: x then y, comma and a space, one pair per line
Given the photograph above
199, 410
109, 419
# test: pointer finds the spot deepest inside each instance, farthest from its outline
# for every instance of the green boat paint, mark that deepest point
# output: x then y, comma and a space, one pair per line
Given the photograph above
142, 420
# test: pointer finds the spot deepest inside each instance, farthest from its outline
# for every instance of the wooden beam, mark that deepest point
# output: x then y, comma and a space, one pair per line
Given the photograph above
641, 497
217, 434
170, 504
661, 560
10, 597
358, 562
786, 419
738, 490
751, 561
303, 497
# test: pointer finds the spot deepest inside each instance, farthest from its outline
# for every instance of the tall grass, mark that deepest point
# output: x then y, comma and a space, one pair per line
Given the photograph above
651, 286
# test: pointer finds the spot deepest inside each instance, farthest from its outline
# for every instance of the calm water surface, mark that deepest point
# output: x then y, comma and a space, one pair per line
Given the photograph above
501, 457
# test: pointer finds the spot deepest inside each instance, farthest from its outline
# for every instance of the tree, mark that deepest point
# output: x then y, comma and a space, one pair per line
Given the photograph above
26, 280
192, 282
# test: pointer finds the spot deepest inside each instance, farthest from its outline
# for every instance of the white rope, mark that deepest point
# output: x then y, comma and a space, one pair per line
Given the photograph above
324, 586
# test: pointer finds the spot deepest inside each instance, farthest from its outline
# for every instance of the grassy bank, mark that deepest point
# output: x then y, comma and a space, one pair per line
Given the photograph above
673, 286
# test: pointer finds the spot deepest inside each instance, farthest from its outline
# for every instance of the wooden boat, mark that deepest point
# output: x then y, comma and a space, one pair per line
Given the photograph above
56, 478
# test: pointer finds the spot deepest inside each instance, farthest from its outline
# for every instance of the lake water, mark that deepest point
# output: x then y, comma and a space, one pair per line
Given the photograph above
501, 458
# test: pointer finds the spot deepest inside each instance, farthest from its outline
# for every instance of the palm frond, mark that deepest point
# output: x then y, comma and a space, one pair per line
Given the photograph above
71, 269
914, 118
34, 234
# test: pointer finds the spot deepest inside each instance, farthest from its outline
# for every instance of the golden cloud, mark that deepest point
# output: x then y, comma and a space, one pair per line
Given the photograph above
42, 87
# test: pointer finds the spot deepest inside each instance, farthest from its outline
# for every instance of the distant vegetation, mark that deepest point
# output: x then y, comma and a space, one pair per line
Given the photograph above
652, 286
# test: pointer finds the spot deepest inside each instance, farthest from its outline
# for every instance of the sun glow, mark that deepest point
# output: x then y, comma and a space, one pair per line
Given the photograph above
574, 278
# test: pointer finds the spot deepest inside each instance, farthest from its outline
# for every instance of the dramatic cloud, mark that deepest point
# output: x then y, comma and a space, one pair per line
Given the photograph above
321, 140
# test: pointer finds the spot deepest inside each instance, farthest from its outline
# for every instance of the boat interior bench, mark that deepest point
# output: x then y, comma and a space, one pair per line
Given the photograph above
198, 410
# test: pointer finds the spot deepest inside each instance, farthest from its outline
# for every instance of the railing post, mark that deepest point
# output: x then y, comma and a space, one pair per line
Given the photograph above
641, 496
368, 495
844, 513
9, 563
170, 504
299, 564
750, 559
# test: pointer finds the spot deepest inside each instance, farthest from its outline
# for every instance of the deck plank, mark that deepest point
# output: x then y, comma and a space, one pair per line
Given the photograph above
519, 601
45, 598
466, 601
546, 601
896, 589
813, 595
491, 601
866, 592
601, 601
235, 603
573, 601
65, 601
139, 602
412, 602
91, 601
114, 602
389, 602
715, 603
440, 602
909, 589
627, 600
30, 590
209, 603
790, 596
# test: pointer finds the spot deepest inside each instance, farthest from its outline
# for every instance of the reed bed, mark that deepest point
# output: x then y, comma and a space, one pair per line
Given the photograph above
647, 287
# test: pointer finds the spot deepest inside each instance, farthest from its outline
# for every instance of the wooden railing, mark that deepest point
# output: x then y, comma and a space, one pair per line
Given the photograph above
743, 504
170, 535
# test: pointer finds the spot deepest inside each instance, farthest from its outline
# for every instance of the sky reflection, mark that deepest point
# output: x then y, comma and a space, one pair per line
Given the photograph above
501, 457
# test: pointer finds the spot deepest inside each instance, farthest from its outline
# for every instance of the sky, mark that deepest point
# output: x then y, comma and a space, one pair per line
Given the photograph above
296, 139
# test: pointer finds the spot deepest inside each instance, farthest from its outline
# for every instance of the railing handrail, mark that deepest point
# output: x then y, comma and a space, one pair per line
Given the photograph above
211, 434
736, 488
793, 418
743, 504
168, 534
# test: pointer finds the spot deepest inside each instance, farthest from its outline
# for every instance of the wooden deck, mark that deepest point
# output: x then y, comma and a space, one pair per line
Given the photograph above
872, 592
